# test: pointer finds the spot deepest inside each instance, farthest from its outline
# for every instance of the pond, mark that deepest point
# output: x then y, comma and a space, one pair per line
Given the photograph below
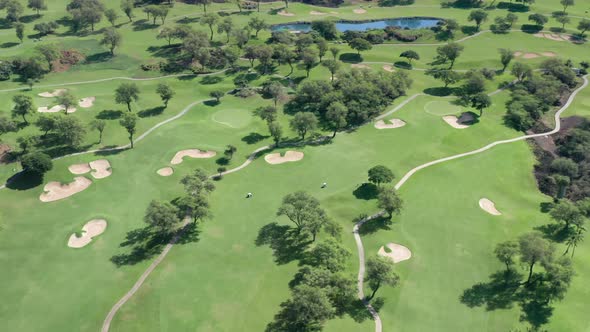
403, 23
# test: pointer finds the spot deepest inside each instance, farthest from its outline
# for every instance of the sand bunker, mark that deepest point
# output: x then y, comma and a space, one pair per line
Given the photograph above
549, 54
360, 65
552, 36
313, 12
55, 93
55, 109
55, 191
166, 171
79, 169
398, 253
193, 153
489, 207
290, 156
461, 122
530, 56
395, 123
284, 13
359, 11
388, 68
100, 168
87, 102
91, 229
517, 53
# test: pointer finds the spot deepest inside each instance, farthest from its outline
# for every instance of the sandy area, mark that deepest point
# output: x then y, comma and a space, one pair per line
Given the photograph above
530, 56
549, 54
359, 11
54, 190
55, 109
552, 36
193, 153
276, 158
87, 102
517, 53
55, 93
388, 68
360, 65
461, 122
91, 229
100, 168
398, 252
394, 123
284, 13
313, 12
79, 169
489, 207
166, 171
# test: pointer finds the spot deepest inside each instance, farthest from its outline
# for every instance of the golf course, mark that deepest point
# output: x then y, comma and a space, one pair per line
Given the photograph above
278, 166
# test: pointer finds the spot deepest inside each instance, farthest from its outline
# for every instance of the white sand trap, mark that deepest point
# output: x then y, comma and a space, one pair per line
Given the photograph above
461, 122
284, 13
166, 171
551, 36
530, 56
55, 93
290, 156
359, 11
549, 54
91, 229
87, 102
360, 65
489, 207
100, 168
388, 68
313, 12
193, 153
517, 54
398, 252
55, 109
55, 191
394, 123
79, 169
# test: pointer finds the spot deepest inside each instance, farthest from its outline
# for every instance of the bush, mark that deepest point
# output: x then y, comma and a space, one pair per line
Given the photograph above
36, 162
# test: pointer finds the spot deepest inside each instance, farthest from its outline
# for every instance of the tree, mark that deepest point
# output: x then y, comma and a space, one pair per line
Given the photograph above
161, 215
37, 5
538, 19
286, 55
410, 55
257, 24
20, 31
36, 162
129, 122
534, 249
316, 224
334, 50
380, 272
229, 152
26, 142
566, 3
14, 10
266, 113
564, 166
567, 213
380, 174
449, 52
325, 28
111, 38
389, 200
584, 26
197, 183
232, 55
111, 16
166, 92
336, 114
209, 20
45, 123
329, 254
521, 71
217, 94
276, 131
127, 8
479, 16
45, 28
506, 56
309, 58
562, 183
573, 241
69, 130
50, 52
322, 45
333, 66
360, 45
226, 26
307, 310
562, 18
511, 18
506, 252
275, 90
68, 101
99, 126
242, 36
264, 54
85, 12
301, 208
23, 106
447, 76
127, 93
480, 101
303, 122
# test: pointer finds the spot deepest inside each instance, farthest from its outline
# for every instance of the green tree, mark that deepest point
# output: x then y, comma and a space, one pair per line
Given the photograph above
50, 52
226, 26
479, 16
329, 254
111, 38
37, 5
111, 16
534, 249
20, 31
69, 130
521, 71
564, 166
68, 101
322, 46
584, 26
304, 122
333, 66
389, 200
266, 113
14, 10
562, 18
562, 183
99, 126
302, 209
309, 58
275, 90
166, 92
229, 152
447, 76
307, 310
410, 55
566, 3
217, 94
506, 56
276, 131
538, 19
567, 213
449, 52
162, 215
126, 93
573, 241
45, 123
127, 8
360, 45
256, 23
511, 18
209, 20
506, 252
23, 106
334, 50
380, 272
336, 115
325, 28
36, 162
27, 142
129, 122
480, 101
380, 174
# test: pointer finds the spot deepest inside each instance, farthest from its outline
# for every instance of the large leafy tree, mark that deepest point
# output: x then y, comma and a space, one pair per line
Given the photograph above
534, 249
304, 122
23, 106
302, 209
163, 216
449, 52
126, 93
129, 122
380, 174
380, 272
389, 200
111, 38
329, 254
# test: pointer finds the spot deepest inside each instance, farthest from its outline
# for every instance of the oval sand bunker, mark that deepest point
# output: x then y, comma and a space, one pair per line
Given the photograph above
394, 123
91, 229
489, 207
55, 191
166, 171
462, 122
193, 153
290, 156
398, 253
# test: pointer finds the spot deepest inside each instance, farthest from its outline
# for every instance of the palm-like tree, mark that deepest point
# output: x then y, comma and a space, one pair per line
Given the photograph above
574, 240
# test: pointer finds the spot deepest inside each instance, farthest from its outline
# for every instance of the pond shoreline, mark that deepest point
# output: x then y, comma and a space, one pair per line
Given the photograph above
276, 27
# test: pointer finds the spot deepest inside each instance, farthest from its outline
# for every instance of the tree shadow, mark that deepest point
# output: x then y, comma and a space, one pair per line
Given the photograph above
24, 181
350, 57
8, 44
99, 57
141, 25
109, 114
144, 243
167, 51
154, 111
188, 20
211, 79
286, 242
366, 191
545, 207
376, 224
513, 7
109, 150
211, 102
531, 28
253, 138
555, 232
469, 30
222, 161
498, 293
439, 91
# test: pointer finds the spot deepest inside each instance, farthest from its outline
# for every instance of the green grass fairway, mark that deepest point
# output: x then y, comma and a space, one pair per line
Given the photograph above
440, 108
